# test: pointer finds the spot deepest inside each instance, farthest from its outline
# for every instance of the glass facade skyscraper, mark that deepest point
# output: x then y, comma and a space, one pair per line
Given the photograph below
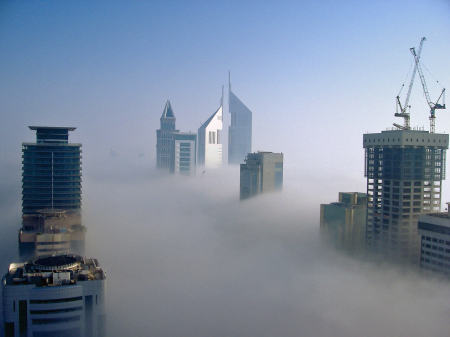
51, 177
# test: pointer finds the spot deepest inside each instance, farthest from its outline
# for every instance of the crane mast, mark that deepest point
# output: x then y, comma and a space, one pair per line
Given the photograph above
433, 106
403, 113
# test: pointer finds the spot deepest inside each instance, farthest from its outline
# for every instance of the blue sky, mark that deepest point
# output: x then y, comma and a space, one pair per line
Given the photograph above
316, 74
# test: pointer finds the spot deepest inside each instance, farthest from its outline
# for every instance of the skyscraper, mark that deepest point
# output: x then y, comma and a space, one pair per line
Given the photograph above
343, 223
164, 136
54, 295
51, 192
51, 171
404, 170
183, 152
261, 173
240, 130
209, 139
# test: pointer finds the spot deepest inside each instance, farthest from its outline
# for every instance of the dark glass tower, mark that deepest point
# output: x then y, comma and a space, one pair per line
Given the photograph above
51, 171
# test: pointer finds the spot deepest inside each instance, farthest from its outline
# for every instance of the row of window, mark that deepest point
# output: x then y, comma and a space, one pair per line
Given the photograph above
405, 183
58, 300
40, 321
407, 140
427, 238
441, 249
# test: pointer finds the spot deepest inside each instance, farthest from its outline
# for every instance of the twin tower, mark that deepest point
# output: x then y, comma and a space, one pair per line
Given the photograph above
177, 150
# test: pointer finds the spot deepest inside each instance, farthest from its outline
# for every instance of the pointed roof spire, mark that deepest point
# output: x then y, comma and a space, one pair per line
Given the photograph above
168, 112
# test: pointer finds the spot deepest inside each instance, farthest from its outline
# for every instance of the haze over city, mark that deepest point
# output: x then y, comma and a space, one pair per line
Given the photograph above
185, 257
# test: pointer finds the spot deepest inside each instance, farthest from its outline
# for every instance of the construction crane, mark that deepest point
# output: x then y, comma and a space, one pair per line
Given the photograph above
433, 106
403, 113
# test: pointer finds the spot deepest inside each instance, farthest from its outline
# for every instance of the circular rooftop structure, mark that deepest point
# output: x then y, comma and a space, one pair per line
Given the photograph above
55, 261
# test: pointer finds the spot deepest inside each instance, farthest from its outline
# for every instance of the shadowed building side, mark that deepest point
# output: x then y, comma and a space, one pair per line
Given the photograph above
343, 223
434, 229
240, 130
261, 173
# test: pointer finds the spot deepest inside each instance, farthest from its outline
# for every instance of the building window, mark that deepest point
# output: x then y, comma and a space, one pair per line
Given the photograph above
212, 137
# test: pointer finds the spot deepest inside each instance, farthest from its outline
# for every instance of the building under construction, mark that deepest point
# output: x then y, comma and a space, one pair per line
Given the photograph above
404, 169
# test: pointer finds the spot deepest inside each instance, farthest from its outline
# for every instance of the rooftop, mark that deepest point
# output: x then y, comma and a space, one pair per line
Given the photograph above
69, 128
57, 269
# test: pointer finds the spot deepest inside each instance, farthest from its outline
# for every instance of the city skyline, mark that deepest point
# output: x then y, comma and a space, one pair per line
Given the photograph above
116, 80
317, 76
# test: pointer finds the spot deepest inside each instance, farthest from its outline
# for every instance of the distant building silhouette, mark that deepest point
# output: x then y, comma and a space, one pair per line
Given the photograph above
240, 130
404, 170
434, 229
209, 140
51, 192
344, 223
183, 151
54, 295
261, 173
164, 137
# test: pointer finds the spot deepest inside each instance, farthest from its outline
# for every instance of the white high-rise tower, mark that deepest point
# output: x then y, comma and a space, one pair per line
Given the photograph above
209, 139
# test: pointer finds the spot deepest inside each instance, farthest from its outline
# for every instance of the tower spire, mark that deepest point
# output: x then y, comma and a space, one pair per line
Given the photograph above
229, 87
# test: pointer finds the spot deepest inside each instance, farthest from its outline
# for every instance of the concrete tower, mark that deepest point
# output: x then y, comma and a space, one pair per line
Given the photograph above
209, 139
240, 130
404, 170
164, 137
261, 173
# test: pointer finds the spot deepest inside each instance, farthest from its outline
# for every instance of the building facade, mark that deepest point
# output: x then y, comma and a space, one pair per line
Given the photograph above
183, 153
51, 168
434, 230
404, 170
51, 193
164, 137
261, 173
210, 142
240, 130
54, 295
343, 223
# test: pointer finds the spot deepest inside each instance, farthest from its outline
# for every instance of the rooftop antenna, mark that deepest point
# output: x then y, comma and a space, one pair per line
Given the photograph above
229, 87
221, 100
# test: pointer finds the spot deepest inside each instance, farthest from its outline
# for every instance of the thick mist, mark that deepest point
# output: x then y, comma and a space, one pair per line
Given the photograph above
184, 257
